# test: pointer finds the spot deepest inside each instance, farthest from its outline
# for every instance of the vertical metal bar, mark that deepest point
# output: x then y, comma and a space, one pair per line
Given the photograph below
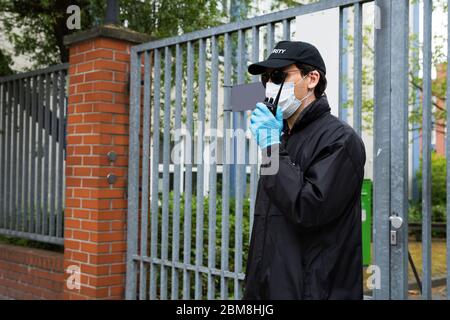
8, 157
286, 30
240, 172
399, 146
33, 156
382, 150
224, 263
447, 151
26, 147
213, 168
39, 153
200, 170
10, 191
166, 173
20, 155
133, 174
61, 142
7, 154
357, 68
13, 203
240, 176
155, 175
253, 145
188, 168
343, 60
270, 37
426, 151
417, 101
2, 150
255, 44
177, 168
53, 155
15, 206
45, 193
145, 177
112, 12
2, 154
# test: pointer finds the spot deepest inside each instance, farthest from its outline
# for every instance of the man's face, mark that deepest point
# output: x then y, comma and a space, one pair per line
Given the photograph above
294, 75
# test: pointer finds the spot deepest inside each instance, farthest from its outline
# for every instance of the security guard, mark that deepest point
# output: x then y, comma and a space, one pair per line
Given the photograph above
306, 236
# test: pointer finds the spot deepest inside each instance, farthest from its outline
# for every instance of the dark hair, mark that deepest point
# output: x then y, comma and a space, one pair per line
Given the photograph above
321, 85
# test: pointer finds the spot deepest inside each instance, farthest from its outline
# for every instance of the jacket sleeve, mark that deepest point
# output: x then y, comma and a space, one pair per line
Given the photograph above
320, 194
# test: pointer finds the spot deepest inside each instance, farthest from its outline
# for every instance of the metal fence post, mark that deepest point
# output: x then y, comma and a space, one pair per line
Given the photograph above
399, 146
133, 174
381, 149
426, 150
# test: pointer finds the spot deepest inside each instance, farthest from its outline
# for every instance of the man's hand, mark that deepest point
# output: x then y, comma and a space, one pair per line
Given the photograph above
264, 126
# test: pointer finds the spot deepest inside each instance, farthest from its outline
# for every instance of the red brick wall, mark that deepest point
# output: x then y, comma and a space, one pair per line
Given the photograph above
95, 213
27, 273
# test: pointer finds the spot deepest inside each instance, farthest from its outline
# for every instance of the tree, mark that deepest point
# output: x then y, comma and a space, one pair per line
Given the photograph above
5, 61
415, 82
37, 28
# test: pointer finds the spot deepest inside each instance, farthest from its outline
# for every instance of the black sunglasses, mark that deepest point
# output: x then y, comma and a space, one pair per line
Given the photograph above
276, 76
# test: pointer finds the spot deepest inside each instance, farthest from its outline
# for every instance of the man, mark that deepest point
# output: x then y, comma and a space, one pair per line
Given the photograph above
306, 238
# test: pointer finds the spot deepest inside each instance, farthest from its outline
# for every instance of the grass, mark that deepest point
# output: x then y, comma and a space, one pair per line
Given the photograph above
438, 257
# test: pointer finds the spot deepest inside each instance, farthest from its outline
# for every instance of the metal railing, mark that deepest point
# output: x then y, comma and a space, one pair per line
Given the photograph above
173, 249
32, 144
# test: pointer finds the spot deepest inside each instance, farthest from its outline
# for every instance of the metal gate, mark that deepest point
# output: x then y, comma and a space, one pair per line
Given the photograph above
189, 220
32, 133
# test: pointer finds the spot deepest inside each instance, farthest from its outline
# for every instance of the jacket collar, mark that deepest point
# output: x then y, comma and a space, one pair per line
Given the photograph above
312, 112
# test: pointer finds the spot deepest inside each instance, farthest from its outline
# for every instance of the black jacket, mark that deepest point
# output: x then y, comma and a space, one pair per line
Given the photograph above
306, 235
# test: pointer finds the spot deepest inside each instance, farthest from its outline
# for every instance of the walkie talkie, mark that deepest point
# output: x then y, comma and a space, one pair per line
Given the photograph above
272, 104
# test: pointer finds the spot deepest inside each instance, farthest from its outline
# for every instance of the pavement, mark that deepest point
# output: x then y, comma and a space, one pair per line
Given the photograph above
437, 293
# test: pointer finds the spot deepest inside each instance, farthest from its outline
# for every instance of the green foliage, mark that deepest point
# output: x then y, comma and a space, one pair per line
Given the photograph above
367, 76
5, 62
415, 82
205, 234
168, 18
438, 182
219, 221
37, 28
438, 190
415, 212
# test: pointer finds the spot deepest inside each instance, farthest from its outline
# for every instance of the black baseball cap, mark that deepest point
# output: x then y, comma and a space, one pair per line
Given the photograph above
289, 52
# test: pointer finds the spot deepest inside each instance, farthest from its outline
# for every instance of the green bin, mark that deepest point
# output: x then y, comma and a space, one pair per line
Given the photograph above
366, 208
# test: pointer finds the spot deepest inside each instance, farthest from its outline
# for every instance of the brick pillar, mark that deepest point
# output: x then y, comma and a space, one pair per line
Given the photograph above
97, 123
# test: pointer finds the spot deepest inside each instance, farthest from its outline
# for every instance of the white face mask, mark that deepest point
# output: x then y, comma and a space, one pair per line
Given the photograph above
287, 102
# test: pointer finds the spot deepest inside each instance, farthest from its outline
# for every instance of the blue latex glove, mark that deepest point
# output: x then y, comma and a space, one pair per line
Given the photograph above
264, 126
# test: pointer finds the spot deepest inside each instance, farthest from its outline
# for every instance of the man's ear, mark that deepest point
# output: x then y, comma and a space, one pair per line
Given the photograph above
314, 78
